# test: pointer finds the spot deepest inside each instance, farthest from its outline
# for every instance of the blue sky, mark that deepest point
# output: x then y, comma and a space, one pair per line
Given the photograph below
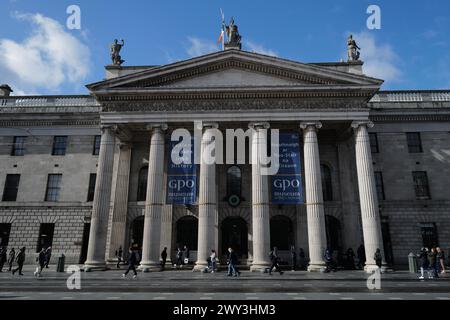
40, 55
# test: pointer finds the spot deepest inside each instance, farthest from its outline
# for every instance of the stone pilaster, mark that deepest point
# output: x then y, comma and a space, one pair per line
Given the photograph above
314, 197
102, 197
119, 219
207, 202
154, 201
367, 194
260, 199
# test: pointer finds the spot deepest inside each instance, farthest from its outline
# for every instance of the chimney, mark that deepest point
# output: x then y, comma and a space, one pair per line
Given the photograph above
5, 90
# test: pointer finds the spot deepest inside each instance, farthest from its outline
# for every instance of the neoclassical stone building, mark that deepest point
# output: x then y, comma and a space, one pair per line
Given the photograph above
88, 174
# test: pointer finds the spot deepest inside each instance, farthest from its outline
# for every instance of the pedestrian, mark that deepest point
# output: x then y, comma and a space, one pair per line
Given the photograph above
163, 258
378, 258
423, 261
361, 253
20, 259
440, 256
48, 255
302, 259
273, 255
132, 261
350, 259
3, 257
179, 256
186, 254
232, 261
12, 255
329, 261
213, 259
432, 264
293, 258
41, 261
119, 256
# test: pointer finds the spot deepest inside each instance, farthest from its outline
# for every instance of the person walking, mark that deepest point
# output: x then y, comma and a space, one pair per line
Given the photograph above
119, 256
232, 261
213, 259
361, 254
12, 255
440, 256
423, 262
132, 261
293, 258
48, 255
330, 265
186, 254
3, 258
179, 256
350, 259
163, 258
377, 257
41, 261
432, 264
275, 261
20, 259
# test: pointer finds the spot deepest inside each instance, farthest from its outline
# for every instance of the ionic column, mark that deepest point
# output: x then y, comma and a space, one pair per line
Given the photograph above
367, 194
119, 218
102, 197
260, 199
207, 201
154, 200
317, 240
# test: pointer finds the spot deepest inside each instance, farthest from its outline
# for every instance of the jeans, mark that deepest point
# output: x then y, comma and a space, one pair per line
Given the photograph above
232, 269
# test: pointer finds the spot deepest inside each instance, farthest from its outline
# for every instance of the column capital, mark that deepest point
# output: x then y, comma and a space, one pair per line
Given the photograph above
200, 125
359, 123
307, 124
157, 126
259, 125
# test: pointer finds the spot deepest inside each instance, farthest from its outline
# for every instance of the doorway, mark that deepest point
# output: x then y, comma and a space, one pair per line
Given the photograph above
235, 235
85, 243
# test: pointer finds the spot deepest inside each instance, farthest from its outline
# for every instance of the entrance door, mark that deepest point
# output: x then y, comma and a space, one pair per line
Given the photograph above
235, 235
85, 243
137, 232
5, 229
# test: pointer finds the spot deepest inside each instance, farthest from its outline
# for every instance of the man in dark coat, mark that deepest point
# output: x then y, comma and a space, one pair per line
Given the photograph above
330, 265
12, 255
132, 261
232, 261
186, 255
48, 255
41, 260
423, 261
377, 257
275, 261
163, 258
432, 264
20, 259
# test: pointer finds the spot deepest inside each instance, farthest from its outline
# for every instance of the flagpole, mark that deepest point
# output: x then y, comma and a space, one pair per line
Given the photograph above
223, 29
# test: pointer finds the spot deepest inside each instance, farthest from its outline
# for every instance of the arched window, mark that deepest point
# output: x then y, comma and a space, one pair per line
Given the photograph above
327, 187
234, 180
142, 184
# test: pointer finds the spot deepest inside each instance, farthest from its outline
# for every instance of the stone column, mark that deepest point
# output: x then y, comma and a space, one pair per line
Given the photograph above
260, 199
119, 219
102, 197
154, 202
367, 195
317, 240
207, 202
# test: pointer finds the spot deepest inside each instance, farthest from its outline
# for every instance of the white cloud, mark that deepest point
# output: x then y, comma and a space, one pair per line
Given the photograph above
198, 47
380, 60
254, 47
47, 59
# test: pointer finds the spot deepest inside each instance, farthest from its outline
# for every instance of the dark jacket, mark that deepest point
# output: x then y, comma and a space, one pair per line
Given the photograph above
423, 259
377, 256
41, 258
12, 255
361, 253
132, 260
431, 258
440, 255
328, 256
232, 258
164, 255
20, 257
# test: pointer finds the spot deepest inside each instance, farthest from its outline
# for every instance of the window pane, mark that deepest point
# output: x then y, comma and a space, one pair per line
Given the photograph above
91, 189
97, 140
234, 180
18, 148
59, 145
11, 187
53, 187
5, 230
414, 142
429, 235
421, 185
373, 142
45, 239
142, 184
379, 185
327, 187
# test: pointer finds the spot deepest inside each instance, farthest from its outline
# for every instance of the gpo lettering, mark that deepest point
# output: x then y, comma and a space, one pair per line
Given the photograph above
286, 183
179, 184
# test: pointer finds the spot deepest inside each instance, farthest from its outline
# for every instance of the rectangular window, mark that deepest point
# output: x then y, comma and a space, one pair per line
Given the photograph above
414, 142
5, 230
96, 150
421, 185
429, 235
373, 142
11, 187
45, 239
91, 189
379, 185
18, 148
53, 187
59, 145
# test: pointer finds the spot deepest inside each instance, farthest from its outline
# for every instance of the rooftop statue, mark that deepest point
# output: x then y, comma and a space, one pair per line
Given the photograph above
233, 35
115, 50
353, 49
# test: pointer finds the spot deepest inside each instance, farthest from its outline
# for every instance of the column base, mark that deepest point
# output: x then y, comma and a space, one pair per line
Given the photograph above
199, 267
94, 266
259, 267
371, 268
317, 267
149, 266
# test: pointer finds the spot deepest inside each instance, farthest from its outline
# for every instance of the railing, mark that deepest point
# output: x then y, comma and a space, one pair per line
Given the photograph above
48, 101
411, 96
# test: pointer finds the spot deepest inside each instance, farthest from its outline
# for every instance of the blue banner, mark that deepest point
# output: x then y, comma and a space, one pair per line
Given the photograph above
181, 174
286, 185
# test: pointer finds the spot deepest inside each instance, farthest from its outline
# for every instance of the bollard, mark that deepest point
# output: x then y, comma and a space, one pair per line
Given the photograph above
61, 261
412, 262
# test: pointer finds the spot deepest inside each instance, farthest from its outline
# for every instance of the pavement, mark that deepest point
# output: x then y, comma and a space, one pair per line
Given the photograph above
188, 285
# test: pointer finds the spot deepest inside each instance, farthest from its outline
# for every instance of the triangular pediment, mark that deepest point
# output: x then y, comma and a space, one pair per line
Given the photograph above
234, 68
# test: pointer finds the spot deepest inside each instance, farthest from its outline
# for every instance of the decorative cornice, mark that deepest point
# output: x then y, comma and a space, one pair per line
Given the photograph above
407, 117
49, 123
